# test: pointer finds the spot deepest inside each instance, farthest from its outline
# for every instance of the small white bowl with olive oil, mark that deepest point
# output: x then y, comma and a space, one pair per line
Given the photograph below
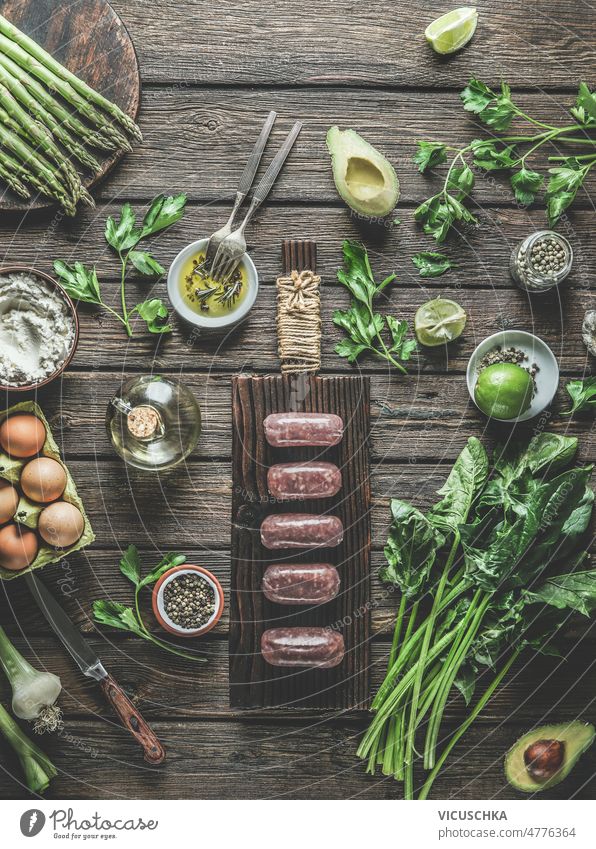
203, 303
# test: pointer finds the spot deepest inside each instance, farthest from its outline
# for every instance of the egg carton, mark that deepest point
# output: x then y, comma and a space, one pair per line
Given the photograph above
27, 511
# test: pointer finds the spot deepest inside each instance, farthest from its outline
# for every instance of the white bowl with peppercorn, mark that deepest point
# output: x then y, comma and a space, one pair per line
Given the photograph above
512, 376
188, 601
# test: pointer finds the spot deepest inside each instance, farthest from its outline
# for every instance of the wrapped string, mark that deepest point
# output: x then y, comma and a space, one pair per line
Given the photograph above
299, 322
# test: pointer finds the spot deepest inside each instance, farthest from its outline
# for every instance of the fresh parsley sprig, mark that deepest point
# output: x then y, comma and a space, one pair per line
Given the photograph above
125, 618
431, 263
582, 394
124, 236
365, 328
507, 152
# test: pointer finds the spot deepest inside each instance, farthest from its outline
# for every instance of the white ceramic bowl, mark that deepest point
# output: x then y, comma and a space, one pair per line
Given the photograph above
220, 323
547, 377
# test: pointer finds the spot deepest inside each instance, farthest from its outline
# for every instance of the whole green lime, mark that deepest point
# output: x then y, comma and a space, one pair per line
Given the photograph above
504, 391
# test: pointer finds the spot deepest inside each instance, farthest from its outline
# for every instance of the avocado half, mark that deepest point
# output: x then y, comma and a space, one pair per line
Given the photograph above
363, 177
576, 738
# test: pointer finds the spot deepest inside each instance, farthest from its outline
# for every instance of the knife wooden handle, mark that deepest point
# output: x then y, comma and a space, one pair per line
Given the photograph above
132, 720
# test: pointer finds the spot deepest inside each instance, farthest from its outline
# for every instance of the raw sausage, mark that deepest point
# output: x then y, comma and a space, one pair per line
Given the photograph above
300, 583
319, 647
291, 430
301, 530
297, 481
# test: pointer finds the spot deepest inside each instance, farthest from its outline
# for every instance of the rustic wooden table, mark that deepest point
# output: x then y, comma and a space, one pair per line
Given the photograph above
210, 74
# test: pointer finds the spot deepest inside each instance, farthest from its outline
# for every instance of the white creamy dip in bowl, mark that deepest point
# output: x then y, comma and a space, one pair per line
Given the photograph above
39, 329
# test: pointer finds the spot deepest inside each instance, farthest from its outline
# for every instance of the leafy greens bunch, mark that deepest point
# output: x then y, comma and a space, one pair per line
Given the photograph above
367, 330
502, 557
124, 236
125, 618
509, 152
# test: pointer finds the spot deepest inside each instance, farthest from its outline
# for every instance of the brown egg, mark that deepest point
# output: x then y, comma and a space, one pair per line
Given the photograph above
43, 480
18, 547
9, 499
22, 435
61, 524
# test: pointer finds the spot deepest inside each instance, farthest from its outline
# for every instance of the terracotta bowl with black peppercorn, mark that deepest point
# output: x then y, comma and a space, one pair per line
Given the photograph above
188, 601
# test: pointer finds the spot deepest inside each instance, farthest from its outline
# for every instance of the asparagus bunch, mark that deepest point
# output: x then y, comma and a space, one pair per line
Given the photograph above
48, 118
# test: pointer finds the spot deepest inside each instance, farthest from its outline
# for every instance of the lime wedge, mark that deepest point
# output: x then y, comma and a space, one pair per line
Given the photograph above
438, 322
452, 31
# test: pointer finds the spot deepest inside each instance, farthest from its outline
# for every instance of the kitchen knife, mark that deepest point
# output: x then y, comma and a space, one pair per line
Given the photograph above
91, 666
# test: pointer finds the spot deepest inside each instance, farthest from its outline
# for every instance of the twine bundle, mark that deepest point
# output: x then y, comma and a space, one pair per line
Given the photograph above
299, 322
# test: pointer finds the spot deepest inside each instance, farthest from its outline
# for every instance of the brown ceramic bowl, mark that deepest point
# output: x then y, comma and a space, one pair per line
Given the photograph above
27, 269
157, 600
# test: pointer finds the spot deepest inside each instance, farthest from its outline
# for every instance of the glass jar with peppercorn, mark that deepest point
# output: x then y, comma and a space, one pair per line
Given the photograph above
541, 261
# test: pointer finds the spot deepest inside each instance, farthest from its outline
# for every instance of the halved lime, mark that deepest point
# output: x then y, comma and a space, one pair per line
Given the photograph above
504, 390
452, 31
438, 322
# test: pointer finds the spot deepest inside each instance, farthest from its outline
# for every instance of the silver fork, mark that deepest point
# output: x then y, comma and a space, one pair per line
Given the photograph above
232, 249
246, 181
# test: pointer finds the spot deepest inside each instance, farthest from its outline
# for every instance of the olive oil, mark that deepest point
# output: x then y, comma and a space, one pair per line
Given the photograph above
207, 297
154, 422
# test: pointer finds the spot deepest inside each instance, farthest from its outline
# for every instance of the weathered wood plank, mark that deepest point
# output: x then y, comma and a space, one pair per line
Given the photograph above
239, 760
191, 508
414, 418
198, 140
482, 258
103, 346
81, 579
340, 44
165, 686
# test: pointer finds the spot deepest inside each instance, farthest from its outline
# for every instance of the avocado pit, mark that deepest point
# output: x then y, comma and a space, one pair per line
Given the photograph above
544, 758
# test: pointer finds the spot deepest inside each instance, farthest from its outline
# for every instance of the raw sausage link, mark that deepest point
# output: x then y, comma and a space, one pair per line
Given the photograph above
300, 583
319, 647
301, 530
291, 430
297, 481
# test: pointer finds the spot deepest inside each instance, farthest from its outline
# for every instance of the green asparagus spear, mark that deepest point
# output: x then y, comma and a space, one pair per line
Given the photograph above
51, 105
34, 49
76, 189
13, 182
39, 167
47, 119
23, 173
28, 63
15, 118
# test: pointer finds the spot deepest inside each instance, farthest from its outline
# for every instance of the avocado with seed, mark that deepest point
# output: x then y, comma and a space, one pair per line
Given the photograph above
546, 755
363, 177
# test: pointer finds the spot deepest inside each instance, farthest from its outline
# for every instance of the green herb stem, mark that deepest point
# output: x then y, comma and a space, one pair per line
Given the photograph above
451, 667
413, 708
410, 641
124, 262
394, 698
397, 630
580, 157
461, 730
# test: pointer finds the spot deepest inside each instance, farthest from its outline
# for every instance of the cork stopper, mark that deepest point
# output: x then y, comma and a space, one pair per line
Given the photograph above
144, 422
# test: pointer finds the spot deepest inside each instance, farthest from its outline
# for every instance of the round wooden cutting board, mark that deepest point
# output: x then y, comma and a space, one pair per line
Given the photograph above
89, 38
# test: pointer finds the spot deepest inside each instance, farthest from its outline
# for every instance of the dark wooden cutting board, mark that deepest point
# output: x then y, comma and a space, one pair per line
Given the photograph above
90, 39
254, 684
